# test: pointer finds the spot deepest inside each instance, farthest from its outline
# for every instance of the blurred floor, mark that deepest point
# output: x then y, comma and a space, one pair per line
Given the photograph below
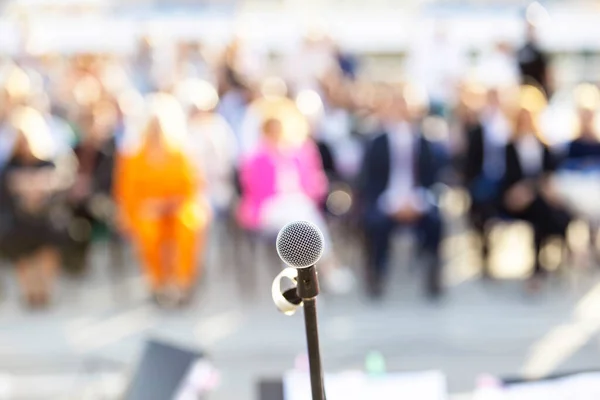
481, 327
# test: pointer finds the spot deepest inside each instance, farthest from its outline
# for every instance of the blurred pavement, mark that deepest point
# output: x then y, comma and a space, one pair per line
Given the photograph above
480, 327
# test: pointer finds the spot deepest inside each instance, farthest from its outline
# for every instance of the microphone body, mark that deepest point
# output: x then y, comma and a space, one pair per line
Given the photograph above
300, 245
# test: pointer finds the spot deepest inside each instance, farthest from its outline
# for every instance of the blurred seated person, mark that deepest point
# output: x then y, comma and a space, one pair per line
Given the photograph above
33, 223
156, 188
234, 99
334, 129
584, 150
399, 170
213, 147
90, 197
281, 182
484, 165
527, 193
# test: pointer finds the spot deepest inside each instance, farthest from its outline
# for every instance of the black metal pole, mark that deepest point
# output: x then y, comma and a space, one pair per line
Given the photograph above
308, 289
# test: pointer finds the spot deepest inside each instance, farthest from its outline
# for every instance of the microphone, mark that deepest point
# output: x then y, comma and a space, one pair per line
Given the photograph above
300, 245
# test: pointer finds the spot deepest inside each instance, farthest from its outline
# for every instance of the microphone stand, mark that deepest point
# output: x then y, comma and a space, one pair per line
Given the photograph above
308, 289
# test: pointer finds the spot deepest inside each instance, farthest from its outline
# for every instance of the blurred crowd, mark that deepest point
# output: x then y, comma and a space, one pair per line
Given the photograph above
154, 150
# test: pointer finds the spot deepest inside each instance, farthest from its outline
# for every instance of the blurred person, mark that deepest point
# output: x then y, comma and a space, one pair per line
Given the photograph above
280, 178
399, 170
60, 129
243, 58
32, 224
156, 189
347, 62
142, 68
90, 196
582, 161
584, 150
15, 91
283, 181
527, 193
213, 147
192, 62
534, 63
235, 97
334, 127
484, 166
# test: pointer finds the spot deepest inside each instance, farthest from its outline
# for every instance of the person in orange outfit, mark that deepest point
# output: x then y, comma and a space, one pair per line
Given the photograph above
157, 195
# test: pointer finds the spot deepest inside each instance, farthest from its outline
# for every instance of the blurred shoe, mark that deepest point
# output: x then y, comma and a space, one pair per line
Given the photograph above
37, 301
375, 288
534, 284
185, 297
434, 288
164, 298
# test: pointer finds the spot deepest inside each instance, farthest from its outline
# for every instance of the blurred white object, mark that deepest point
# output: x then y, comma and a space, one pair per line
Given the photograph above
201, 379
281, 302
310, 104
282, 209
436, 61
581, 192
498, 68
581, 387
355, 385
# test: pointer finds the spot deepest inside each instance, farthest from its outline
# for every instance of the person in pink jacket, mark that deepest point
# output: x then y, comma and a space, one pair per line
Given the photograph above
280, 183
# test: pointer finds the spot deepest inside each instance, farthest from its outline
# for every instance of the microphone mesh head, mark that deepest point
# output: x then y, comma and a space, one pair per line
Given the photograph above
300, 244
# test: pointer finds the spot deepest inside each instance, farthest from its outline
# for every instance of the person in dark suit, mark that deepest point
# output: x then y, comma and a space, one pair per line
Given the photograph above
484, 166
584, 151
527, 192
32, 222
90, 197
399, 170
534, 63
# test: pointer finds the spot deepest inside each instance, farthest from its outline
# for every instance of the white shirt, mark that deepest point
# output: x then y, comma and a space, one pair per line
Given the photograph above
496, 131
401, 186
531, 154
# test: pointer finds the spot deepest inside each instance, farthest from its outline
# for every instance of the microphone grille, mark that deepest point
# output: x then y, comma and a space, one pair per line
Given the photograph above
300, 244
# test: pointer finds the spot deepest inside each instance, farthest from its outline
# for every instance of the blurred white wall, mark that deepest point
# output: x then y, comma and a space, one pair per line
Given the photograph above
370, 30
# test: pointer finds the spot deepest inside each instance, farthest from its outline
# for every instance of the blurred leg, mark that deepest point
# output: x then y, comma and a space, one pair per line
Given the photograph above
149, 245
480, 215
47, 263
25, 276
430, 231
378, 232
189, 242
539, 236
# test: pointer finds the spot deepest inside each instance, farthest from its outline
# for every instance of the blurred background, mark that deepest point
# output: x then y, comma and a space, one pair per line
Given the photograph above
150, 151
